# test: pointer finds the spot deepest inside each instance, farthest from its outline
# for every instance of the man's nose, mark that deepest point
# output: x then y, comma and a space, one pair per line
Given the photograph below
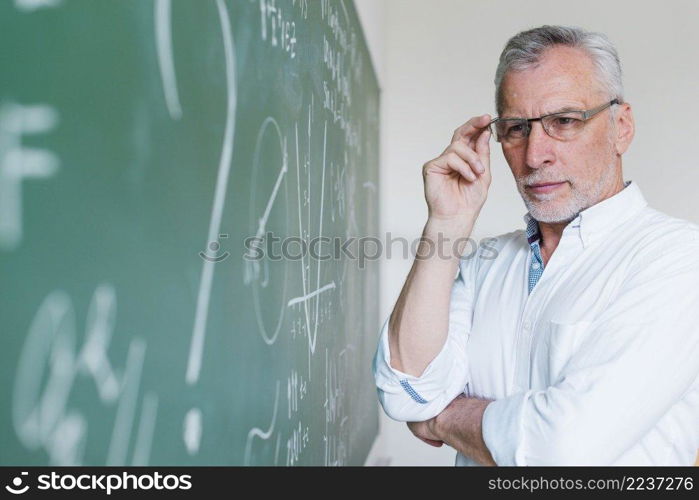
539, 146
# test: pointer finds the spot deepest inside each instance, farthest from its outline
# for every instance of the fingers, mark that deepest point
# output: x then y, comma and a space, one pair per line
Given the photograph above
472, 127
454, 162
475, 161
483, 147
472, 142
464, 160
469, 152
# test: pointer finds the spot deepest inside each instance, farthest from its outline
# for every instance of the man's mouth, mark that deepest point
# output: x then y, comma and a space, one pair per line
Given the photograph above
544, 187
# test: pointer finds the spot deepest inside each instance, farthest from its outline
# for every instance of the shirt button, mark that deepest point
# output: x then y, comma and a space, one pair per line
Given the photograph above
527, 325
536, 265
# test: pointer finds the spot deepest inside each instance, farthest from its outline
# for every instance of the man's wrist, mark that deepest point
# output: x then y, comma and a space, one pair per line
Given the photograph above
459, 426
441, 424
453, 227
446, 239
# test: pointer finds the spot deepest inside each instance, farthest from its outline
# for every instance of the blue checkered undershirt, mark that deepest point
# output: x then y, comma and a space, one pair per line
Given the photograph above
536, 265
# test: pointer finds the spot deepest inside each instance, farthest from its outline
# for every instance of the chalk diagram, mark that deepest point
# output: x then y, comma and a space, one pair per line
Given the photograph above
269, 278
311, 207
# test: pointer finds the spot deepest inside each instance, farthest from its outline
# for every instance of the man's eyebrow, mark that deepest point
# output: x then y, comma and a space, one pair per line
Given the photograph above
564, 109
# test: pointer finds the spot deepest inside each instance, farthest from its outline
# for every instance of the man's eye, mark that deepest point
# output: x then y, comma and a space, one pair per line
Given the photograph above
515, 129
563, 121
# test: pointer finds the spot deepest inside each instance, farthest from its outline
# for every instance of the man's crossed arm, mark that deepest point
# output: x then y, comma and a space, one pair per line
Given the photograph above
459, 426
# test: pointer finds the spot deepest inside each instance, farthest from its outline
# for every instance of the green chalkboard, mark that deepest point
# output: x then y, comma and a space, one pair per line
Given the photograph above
165, 167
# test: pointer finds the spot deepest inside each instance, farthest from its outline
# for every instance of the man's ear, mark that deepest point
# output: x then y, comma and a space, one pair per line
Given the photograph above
625, 128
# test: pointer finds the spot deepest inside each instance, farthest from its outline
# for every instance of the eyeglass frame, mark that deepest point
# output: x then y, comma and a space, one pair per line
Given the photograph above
586, 115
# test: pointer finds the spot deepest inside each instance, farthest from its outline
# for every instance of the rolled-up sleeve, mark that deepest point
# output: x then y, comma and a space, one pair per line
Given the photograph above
408, 398
640, 357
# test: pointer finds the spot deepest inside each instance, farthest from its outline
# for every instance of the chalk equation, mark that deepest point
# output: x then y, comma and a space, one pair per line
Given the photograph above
20, 163
49, 366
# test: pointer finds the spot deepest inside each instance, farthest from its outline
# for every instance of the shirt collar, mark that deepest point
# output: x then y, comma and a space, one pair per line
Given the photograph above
597, 220
532, 229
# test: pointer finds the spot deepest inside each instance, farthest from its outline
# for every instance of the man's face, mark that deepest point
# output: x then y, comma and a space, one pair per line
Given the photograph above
587, 167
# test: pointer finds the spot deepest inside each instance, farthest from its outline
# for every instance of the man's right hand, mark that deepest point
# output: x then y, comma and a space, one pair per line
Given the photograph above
457, 181
456, 186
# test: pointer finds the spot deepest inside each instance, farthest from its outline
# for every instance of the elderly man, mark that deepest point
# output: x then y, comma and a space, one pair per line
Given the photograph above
578, 343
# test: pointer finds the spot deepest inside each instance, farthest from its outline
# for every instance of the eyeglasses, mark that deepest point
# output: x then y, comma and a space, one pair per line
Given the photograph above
564, 125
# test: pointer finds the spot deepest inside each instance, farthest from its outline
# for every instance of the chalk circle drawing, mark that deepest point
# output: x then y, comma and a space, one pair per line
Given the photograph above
269, 214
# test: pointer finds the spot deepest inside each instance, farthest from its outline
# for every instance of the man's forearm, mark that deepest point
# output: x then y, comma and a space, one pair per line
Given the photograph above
419, 323
460, 426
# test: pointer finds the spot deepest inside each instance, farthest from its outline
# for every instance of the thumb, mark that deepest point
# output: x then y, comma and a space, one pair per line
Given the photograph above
433, 442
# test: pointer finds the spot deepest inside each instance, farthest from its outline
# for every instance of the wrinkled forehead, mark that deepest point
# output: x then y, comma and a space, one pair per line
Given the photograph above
564, 78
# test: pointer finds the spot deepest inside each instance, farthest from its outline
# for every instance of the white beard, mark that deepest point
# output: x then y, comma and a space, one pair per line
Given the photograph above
582, 196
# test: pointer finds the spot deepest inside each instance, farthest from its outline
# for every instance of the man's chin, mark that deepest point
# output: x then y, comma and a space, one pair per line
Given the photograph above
545, 212
557, 220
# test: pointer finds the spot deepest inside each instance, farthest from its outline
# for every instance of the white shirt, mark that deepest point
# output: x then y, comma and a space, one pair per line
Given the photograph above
598, 365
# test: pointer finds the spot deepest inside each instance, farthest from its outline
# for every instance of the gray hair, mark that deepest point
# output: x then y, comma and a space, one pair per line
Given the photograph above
526, 48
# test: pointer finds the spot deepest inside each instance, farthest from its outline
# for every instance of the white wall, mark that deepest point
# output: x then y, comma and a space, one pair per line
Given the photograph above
372, 16
438, 59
